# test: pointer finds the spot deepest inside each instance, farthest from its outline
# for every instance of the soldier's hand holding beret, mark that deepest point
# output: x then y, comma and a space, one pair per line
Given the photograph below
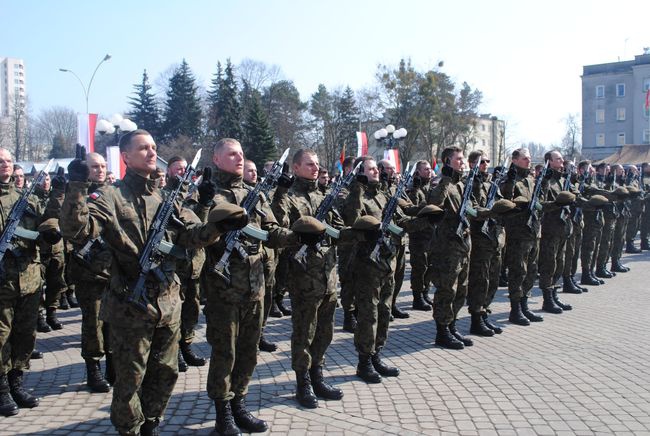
369, 225
565, 198
227, 217
49, 231
310, 231
521, 202
207, 189
598, 201
432, 212
503, 206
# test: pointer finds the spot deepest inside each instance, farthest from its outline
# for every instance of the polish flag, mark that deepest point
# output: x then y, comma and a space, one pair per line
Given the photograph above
392, 155
362, 144
114, 161
647, 99
86, 131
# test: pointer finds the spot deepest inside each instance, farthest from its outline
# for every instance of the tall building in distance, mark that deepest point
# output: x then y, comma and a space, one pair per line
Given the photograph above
613, 106
488, 135
12, 84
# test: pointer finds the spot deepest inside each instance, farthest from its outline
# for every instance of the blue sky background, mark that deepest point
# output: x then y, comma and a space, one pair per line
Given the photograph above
526, 57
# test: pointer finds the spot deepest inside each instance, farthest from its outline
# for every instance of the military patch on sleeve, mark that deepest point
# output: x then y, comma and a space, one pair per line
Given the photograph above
94, 196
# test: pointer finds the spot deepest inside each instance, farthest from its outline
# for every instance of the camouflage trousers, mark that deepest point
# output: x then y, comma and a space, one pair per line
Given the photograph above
18, 315
484, 270
450, 277
313, 328
146, 369
374, 294
571, 254
346, 279
419, 264
233, 332
521, 259
605, 246
400, 269
190, 294
618, 239
645, 221
633, 226
270, 264
53, 270
94, 331
590, 240
551, 258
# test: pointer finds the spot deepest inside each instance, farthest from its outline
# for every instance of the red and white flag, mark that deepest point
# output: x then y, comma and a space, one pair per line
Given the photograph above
392, 156
114, 161
86, 131
362, 144
647, 99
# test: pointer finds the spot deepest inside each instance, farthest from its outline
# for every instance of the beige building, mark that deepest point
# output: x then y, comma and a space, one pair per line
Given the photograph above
12, 84
487, 134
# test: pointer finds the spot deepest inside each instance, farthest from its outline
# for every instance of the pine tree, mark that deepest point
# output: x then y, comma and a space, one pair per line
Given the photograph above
58, 147
258, 140
183, 107
145, 112
348, 118
225, 111
213, 99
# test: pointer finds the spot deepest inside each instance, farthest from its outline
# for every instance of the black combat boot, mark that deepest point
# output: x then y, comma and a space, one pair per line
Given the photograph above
322, 389
151, 427
419, 303
600, 281
225, 423
396, 312
36, 354
63, 302
275, 312
617, 266
8, 406
72, 300
645, 244
527, 313
366, 371
18, 392
189, 356
244, 419
630, 248
587, 279
41, 324
109, 373
304, 392
478, 326
495, 328
568, 287
383, 369
267, 346
94, 378
426, 298
445, 339
182, 364
549, 303
603, 273
52, 320
279, 300
575, 283
563, 306
349, 321
455, 333
516, 316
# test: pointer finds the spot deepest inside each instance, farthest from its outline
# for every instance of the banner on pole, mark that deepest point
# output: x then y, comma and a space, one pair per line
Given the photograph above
86, 130
114, 161
362, 144
392, 156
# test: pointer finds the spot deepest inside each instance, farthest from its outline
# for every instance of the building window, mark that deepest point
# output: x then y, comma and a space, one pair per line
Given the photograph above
600, 140
600, 91
600, 116
483, 142
646, 136
620, 114
483, 127
620, 89
620, 139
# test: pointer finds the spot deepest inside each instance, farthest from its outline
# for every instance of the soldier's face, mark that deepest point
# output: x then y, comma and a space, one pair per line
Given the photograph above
110, 178
389, 170
141, 156
97, 169
19, 178
177, 169
483, 165
556, 162
307, 168
250, 172
6, 165
323, 179
424, 171
230, 158
457, 161
522, 161
371, 171
46, 182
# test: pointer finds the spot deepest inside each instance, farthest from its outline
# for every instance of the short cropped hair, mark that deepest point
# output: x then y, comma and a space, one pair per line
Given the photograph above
125, 140
475, 156
448, 152
297, 156
223, 141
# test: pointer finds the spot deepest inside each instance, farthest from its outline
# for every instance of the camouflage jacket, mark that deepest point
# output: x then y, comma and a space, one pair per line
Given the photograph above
556, 220
122, 214
480, 191
247, 275
516, 224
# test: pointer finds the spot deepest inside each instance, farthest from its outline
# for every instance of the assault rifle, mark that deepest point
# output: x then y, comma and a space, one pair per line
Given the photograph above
566, 186
324, 208
497, 179
577, 215
232, 238
537, 192
154, 249
464, 204
386, 227
16, 214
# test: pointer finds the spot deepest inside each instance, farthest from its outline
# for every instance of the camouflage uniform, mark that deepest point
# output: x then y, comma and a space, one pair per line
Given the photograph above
234, 311
618, 237
645, 218
637, 205
145, 351
611, 215
419, 246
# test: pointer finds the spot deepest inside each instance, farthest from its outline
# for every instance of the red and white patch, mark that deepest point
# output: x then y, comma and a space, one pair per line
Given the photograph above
94, 196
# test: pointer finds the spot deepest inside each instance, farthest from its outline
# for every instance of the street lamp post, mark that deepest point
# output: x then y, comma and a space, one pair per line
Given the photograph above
86, 89
390, 136
116, 124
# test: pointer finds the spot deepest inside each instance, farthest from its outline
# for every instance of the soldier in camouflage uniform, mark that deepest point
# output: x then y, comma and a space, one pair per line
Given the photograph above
234, 308
572, 250
605, 179
636, 208
312, 286
19, 294
188, 271
420, 242
593, 219
622, 204
344, 260
145, 349
373, 281
645, 218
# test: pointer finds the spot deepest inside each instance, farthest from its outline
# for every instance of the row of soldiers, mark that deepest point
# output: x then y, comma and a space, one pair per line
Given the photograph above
457, 237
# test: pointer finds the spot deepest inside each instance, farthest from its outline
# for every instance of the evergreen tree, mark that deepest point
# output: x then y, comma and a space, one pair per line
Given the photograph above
144, 108
58, 147
286, 112
348, 119
225, 111
183, 107
258, 140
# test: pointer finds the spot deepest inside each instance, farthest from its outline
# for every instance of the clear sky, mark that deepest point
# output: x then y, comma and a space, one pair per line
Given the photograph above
525, 56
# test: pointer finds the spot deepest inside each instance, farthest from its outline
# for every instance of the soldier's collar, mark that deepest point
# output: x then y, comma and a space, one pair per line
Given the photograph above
5, 188
138, 183
457, 176
555, 174
305, 185
228, 179
522, 172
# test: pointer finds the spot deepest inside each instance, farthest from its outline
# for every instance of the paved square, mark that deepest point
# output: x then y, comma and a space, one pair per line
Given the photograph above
580, 373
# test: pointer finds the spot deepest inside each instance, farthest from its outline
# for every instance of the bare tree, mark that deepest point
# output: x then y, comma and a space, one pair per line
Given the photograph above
258, 75
50, 123
13, 128
571, 147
